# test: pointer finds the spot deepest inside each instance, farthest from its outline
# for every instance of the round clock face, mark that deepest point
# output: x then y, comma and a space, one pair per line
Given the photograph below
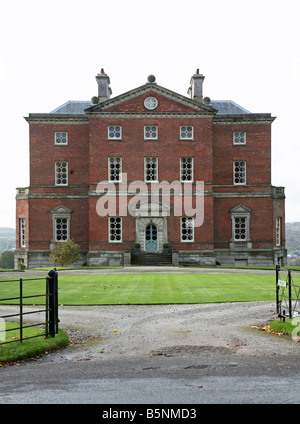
151, 103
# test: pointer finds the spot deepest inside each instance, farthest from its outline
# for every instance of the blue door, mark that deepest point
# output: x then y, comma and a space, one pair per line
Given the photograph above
151, 238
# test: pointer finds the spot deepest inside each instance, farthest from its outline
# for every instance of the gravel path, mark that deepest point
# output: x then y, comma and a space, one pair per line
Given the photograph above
110, 332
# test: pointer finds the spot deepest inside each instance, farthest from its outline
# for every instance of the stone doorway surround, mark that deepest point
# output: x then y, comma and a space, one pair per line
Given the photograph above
151, 212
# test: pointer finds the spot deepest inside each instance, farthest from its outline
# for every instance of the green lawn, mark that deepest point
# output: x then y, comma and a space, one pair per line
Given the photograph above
31, 347
152, 289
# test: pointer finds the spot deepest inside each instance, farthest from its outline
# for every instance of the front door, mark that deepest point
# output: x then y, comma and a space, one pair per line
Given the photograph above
151, 238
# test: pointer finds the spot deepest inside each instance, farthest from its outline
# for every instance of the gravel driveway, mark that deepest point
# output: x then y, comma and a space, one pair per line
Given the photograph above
169, 330
110, 332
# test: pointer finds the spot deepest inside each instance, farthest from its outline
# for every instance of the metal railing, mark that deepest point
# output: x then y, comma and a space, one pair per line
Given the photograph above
287, 295
50, 310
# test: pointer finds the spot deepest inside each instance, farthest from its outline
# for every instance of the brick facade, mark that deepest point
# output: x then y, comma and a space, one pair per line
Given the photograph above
243, 222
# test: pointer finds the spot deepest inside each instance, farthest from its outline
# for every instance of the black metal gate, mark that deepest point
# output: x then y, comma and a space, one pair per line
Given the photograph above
51, 306
287, 295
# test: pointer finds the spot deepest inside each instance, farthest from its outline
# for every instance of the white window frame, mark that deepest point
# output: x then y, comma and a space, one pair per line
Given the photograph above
237, 136
22, 232
278, 230
245, 222
109, 131
59, 135
191, 138
67, 222
237, 175
192, 226
150, 137
110, 228
109, 173
145, 170
57, 172
181, 169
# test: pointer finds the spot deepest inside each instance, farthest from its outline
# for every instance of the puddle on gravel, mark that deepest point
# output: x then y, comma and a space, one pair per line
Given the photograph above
190, 350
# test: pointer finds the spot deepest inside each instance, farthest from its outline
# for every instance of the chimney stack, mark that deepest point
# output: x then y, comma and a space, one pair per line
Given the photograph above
196, 88
104, 90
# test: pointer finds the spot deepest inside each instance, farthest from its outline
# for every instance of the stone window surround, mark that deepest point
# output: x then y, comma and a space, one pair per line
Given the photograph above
192, 227
58, 136
240, 211
114, 137
186, 138
60, 212
22, 222
237, 136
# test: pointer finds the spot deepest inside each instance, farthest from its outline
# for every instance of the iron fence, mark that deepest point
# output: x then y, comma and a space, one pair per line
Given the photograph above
287, 295
51, 306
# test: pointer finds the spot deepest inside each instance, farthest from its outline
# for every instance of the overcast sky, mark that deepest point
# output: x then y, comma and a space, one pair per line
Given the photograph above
50, 53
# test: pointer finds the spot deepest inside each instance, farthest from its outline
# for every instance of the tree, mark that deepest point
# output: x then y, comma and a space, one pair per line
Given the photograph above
65, 253
7, 260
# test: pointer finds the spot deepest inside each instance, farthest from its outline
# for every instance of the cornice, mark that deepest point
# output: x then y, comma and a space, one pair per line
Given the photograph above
243, 118
49, 118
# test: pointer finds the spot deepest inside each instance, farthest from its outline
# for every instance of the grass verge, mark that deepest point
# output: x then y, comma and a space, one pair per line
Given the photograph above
31, 348
286, 327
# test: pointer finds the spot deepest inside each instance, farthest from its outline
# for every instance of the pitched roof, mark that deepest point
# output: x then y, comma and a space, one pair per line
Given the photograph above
72, 107
78, 107
227, 107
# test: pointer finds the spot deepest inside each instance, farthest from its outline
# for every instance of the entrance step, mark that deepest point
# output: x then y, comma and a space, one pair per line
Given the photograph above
151, 259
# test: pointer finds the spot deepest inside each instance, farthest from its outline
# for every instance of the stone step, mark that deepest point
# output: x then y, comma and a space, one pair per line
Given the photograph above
151, 259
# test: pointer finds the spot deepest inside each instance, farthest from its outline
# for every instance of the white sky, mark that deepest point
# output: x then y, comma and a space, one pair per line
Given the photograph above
50, 52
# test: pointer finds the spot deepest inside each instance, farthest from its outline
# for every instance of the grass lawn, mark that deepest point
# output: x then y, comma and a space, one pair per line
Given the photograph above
32, 347
151, 289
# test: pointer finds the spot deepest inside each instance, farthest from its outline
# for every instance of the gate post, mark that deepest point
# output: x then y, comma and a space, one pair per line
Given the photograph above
53, 303
290, 293
277, 288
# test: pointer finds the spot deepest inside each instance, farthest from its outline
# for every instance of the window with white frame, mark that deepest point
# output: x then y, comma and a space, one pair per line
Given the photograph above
61, 138
240, 228
187, 229
115, 229
151, 132
239, 172
61, 229
115, 169
278, 231
186, 169
186, 132
61, 173
151, 168
114, 132
239, 137
22, 232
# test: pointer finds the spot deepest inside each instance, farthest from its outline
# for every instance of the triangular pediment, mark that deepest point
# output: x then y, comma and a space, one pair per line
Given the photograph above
240, 209
61, 210
167, 101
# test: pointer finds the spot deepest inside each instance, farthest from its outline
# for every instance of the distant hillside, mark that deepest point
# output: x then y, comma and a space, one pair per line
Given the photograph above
292, 236
7, 239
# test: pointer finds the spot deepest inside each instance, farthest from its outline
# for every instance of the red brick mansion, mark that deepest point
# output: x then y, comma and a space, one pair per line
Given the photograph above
153, 167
